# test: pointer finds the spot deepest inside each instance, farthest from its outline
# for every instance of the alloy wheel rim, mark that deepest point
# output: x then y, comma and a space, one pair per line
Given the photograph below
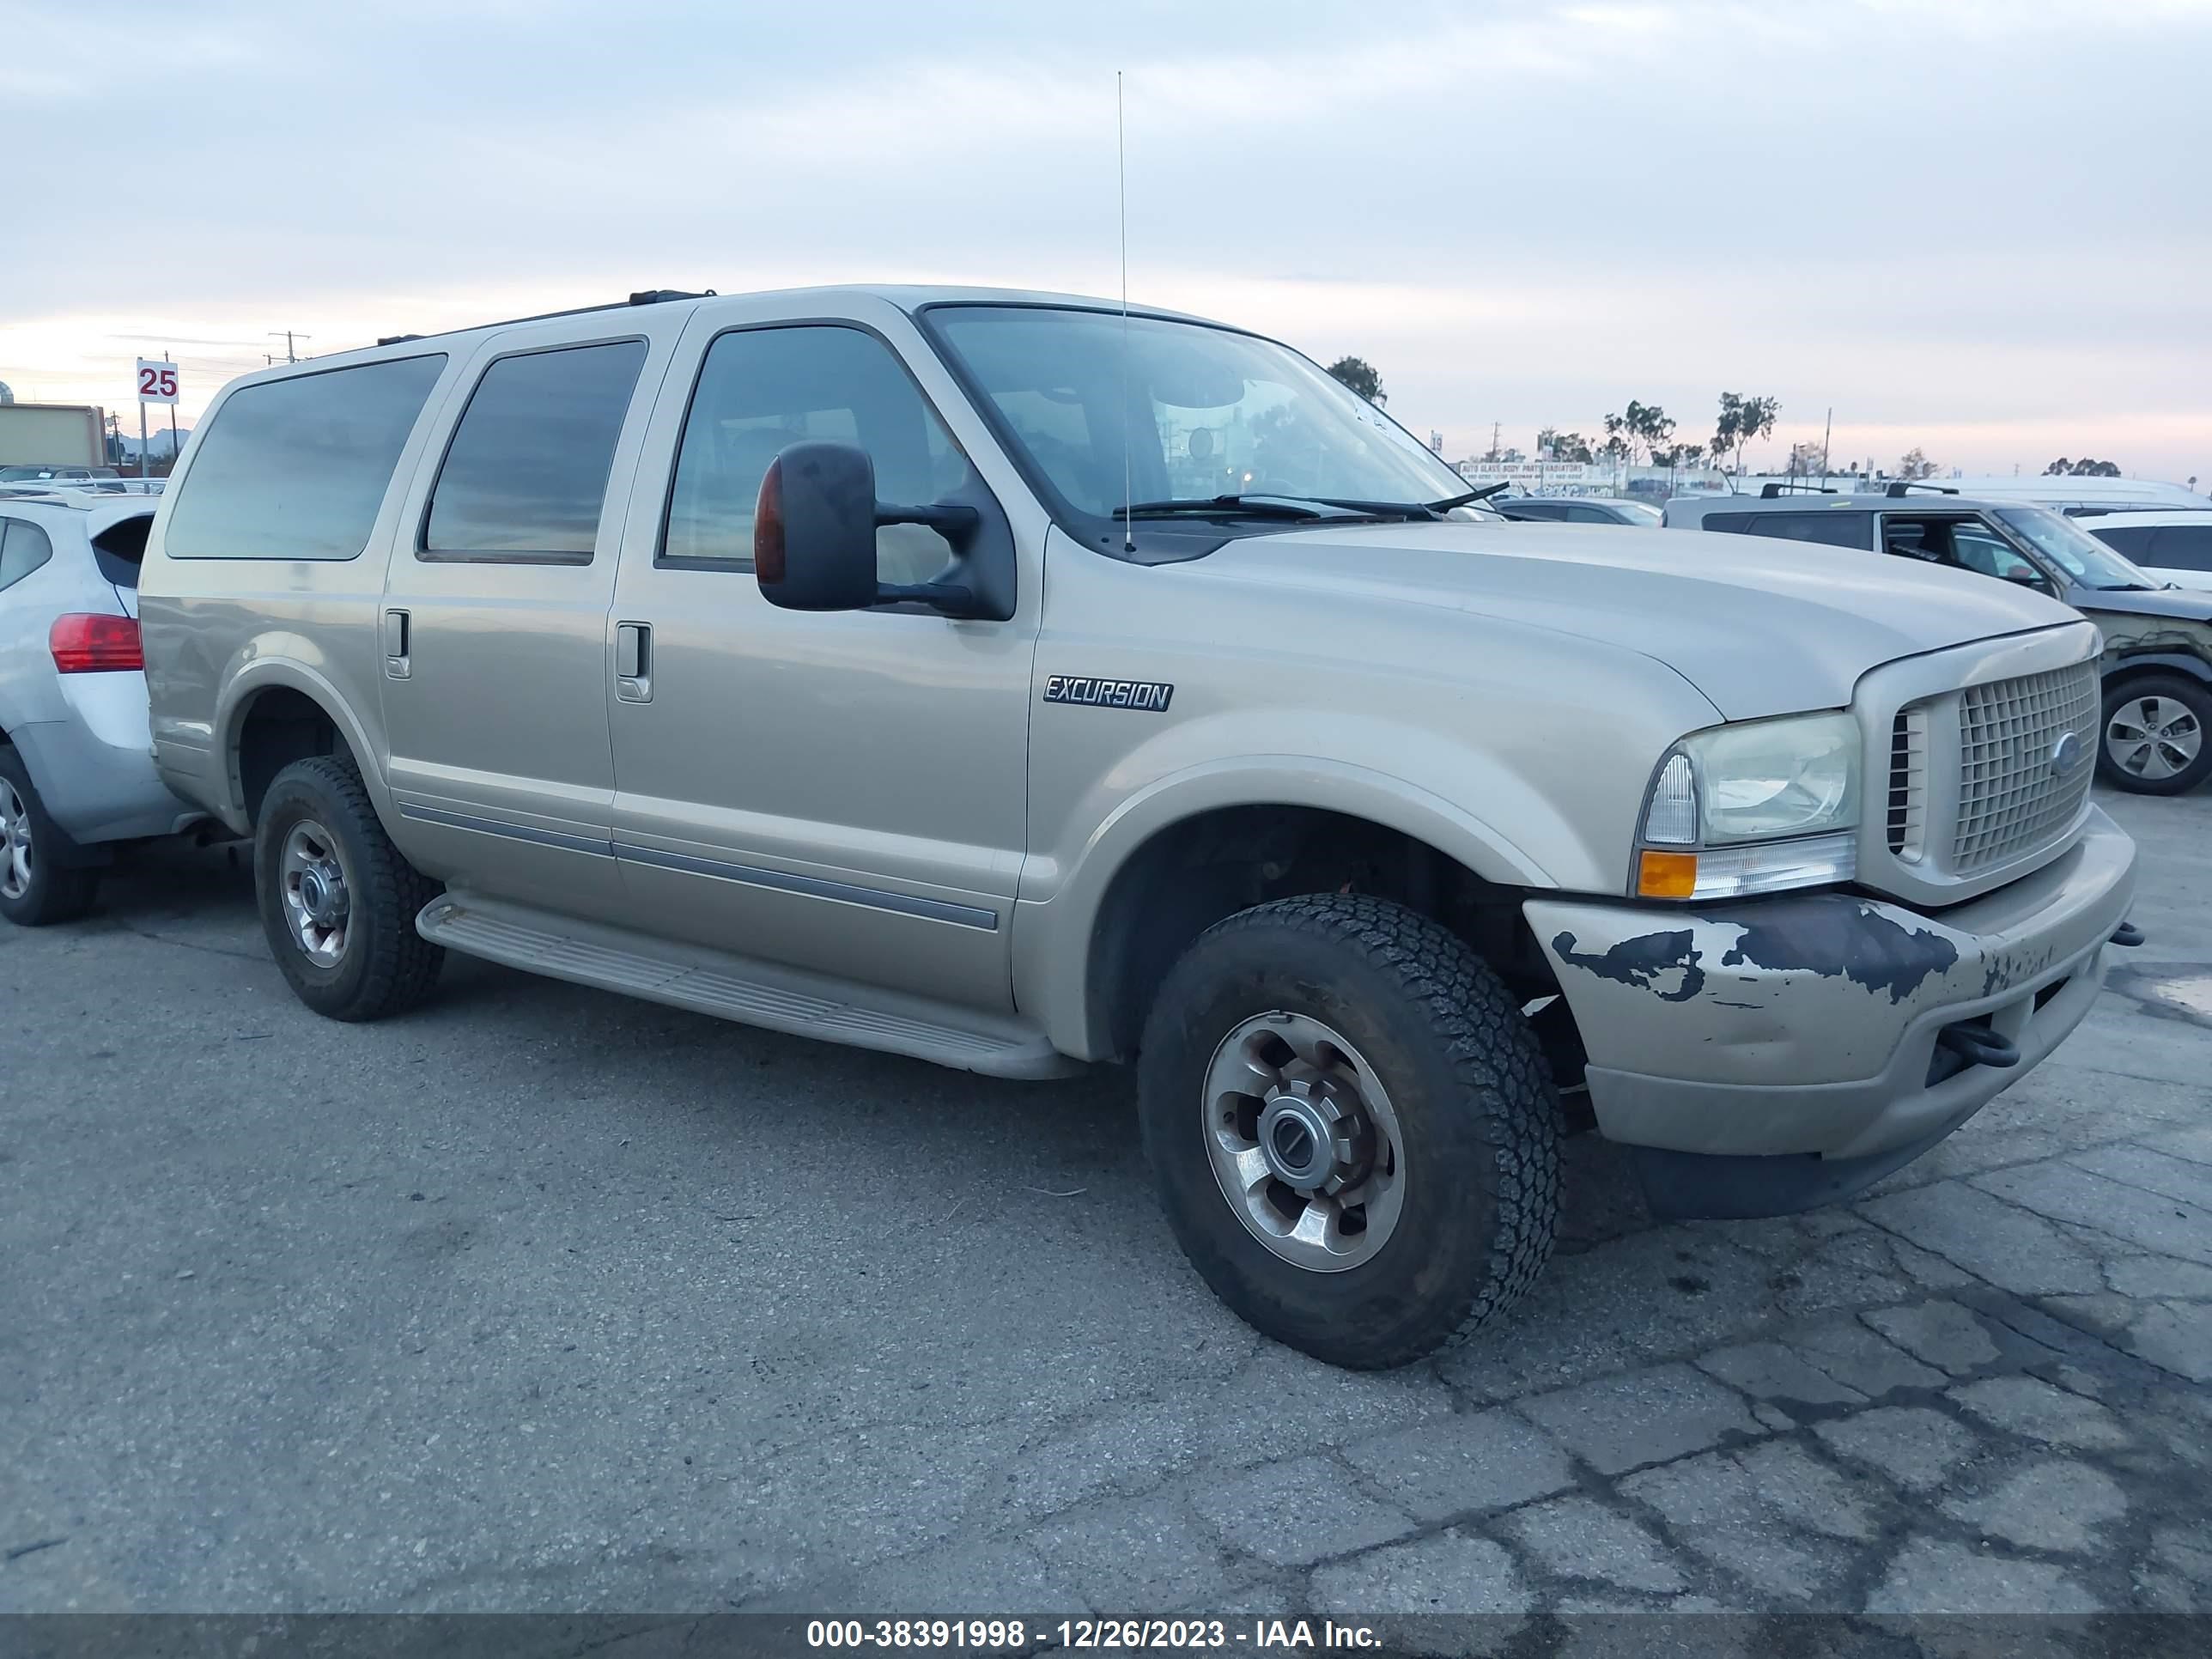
15, 842
2154, 738
1303, 1141
318, 897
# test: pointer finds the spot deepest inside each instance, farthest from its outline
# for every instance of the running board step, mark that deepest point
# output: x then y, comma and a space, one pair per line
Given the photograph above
739, 988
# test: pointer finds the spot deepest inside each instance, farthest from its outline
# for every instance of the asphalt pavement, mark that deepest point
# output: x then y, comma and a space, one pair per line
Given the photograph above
546, 1299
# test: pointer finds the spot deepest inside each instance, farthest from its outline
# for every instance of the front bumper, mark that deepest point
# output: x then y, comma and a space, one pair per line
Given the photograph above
1800, 1032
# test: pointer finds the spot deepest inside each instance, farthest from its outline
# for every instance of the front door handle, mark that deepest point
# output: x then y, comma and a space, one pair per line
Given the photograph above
399, 662
634, 661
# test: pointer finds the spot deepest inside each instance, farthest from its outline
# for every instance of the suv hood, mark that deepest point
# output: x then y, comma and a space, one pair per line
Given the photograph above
2181, 604
1760, 627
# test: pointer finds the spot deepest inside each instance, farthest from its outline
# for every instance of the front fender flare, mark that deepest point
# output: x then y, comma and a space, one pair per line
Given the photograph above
1052, 937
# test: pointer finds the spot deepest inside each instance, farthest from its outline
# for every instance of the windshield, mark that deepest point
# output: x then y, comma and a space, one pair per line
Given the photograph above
2080, 555
1207, 413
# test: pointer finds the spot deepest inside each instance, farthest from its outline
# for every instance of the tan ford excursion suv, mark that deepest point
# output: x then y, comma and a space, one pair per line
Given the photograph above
1000, 680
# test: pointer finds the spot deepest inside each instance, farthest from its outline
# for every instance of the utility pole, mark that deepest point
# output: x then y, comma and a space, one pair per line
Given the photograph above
173, 428
291, 355
1494, 426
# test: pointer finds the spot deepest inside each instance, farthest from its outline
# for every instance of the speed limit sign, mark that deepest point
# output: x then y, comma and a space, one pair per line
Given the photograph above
157, 381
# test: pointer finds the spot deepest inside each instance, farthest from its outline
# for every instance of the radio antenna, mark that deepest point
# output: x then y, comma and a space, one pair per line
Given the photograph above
1121, 179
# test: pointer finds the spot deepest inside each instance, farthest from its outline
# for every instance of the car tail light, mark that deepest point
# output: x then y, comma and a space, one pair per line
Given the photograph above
87, 644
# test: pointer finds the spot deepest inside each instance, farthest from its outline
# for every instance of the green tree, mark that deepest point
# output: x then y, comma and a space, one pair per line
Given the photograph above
1915, 464
2084, 468
1742, 421
1564, 445
1359, 374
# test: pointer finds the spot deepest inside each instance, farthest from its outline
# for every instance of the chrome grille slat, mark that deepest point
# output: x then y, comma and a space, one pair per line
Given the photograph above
2011, 800
1908, 784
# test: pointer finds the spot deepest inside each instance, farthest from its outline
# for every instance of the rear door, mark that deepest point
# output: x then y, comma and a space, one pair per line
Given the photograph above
493, 631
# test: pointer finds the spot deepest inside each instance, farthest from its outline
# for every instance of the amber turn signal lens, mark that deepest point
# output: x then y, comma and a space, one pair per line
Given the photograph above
1667, 875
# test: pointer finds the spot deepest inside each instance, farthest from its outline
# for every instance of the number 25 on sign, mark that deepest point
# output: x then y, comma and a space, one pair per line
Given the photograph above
157, 381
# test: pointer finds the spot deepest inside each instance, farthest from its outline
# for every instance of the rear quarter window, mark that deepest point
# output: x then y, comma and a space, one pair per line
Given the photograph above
2134, 540
297, 468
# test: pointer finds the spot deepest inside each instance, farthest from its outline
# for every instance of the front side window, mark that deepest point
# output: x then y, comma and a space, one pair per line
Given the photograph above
763, 389
2073, 549
297, 468
525, 476
23, 548
1097, 406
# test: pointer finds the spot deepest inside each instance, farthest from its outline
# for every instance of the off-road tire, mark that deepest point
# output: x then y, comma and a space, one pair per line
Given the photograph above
2193, 695
1469, 1084
57, 890
387, 967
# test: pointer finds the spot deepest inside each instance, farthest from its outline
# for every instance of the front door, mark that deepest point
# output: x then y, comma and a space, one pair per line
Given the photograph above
493, 631
839, 791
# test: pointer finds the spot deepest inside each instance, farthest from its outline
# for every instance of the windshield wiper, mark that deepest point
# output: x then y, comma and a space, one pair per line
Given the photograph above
1256, 507
1270, 505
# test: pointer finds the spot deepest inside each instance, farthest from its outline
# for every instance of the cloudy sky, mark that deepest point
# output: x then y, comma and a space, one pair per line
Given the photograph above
1979, 226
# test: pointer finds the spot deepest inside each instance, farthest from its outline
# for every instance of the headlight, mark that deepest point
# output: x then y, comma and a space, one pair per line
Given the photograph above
1752, 808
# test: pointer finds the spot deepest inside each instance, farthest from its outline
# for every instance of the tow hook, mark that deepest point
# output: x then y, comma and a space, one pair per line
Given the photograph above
1978, 1044
2129, 934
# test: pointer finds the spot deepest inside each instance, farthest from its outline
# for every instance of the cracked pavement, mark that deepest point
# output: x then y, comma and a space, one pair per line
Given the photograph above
545, 1299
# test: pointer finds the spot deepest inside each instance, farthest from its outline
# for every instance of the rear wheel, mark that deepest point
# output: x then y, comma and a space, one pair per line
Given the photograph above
35, 889
337, 900
2155, 740
1353, 1127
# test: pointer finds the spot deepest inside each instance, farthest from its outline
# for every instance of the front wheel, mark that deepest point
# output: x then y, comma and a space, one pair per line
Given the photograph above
1354, 1129
2154, 740
337, 900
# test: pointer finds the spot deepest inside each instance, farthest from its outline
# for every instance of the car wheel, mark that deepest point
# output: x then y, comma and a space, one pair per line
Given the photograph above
2155, 740
35, 889
338, 901
1354, 1130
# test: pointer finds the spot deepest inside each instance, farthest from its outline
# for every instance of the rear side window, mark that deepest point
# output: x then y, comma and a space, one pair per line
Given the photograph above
23, 549
1733, 524
2134, 540
2183, 547
525, 476
297, 468
1830, 529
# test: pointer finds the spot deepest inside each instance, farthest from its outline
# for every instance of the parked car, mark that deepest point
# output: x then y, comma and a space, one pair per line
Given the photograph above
2157, 666
77, 766
2169, 547
56, 473
703, 649
1582, 509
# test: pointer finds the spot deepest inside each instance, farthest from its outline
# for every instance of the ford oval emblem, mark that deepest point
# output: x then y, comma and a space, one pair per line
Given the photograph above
2066, 755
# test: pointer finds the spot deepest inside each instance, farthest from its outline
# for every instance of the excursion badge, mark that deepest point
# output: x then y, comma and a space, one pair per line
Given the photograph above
1147, 696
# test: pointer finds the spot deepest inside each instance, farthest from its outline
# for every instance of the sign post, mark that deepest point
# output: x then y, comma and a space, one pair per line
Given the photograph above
157, 384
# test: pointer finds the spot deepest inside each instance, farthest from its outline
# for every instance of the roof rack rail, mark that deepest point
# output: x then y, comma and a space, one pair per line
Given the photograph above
1768, 492
644, 296
1906, 486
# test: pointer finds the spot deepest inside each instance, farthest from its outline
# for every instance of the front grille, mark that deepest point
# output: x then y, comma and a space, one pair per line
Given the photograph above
2014, 796
1908, 784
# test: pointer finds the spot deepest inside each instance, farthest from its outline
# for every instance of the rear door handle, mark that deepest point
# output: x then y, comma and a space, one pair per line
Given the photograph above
634, 661
398, 665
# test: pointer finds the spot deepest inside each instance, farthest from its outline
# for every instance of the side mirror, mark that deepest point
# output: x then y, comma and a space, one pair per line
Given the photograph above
814, 534
2028, 579
814, 529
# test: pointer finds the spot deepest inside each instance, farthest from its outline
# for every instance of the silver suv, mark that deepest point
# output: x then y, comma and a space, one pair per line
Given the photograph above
996, 679
77, 768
